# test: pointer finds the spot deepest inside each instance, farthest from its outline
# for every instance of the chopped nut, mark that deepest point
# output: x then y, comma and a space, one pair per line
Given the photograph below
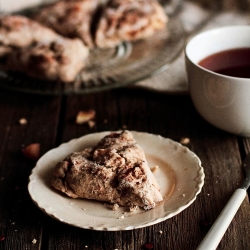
185, 140
133, 208
85, 116
23, 121
155, 168
121, 217
91, 124
115, 207
32, 151
34, 241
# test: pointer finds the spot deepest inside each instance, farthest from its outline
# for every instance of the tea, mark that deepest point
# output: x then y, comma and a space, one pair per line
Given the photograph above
233, 62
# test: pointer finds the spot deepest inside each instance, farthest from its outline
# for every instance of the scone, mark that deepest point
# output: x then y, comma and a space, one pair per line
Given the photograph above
114, 171
104, 23
72, 18
127, 20
28, 47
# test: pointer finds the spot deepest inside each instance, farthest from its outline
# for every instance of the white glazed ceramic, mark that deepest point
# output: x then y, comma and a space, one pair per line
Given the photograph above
180, 176
221, 100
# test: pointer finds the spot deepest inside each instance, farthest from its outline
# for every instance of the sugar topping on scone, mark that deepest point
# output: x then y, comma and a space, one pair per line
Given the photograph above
104, 23
114, 171
126, 20
71, 18
31, 48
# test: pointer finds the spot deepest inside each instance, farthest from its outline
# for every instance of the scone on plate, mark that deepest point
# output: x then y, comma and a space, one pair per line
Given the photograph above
114, 171
31, 48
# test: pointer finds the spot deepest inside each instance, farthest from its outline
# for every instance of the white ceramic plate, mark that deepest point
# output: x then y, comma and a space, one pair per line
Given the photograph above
180, 177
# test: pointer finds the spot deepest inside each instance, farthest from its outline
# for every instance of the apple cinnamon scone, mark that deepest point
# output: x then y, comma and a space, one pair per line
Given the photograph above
114, 171
28, 47
104, 23
129, 20
71, 18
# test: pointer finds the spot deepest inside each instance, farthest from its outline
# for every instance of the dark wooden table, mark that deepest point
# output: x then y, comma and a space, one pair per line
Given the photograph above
51, 121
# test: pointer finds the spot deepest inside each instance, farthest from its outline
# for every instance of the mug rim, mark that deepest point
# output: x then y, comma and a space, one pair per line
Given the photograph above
231, 28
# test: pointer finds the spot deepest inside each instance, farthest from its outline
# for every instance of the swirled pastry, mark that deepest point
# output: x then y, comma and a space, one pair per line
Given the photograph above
129, 20
104, 23
71, 18
114, 171
28, 47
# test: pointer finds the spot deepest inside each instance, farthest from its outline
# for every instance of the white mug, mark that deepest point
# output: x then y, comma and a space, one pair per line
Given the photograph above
223, 101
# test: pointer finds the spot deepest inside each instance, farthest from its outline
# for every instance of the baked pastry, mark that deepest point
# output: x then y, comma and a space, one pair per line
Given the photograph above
103, 23
19, 31
28, 47
114, 171
129, 20
71, 18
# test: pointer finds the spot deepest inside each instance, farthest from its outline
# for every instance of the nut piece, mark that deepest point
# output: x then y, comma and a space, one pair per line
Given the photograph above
34, 241
115, 207
155, 168
32, 151
23, 121
85, 116
185, 140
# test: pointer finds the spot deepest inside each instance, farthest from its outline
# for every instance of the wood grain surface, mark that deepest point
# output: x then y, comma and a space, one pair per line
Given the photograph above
51, 121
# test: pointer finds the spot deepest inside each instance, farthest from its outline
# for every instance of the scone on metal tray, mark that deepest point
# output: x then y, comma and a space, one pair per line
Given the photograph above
114, 171
28, 47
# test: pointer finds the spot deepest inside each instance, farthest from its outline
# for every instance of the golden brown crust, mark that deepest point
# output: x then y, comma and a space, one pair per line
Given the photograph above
70, 18
115, 171
127, 20
28, 47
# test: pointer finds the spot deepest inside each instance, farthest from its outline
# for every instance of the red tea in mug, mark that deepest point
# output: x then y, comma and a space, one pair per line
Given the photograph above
233, 62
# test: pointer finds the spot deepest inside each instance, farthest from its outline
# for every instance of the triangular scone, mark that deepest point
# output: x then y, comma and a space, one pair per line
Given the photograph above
28, 47
129, 20
114, 171
71, 18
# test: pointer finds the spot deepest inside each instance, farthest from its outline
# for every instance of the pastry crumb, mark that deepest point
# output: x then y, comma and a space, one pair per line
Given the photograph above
160, 232
32, 151
115, 207
23, 121
155, 168
91, 124
133, 208
85, 116
34, 241
185, 140
121, 217
183, 195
